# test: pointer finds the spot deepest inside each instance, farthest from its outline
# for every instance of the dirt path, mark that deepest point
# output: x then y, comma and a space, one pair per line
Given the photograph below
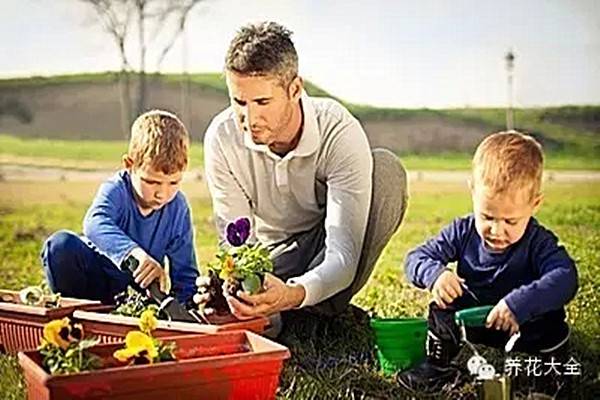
10, 172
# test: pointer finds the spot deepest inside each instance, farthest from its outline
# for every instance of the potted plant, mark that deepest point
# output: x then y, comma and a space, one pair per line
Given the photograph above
228, 365
64, 349
114, 325
23, 314
238, 266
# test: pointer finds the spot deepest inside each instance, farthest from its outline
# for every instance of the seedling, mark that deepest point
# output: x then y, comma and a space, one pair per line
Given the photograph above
240, 266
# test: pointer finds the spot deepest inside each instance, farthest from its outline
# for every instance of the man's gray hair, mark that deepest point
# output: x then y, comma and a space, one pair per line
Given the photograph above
263, 49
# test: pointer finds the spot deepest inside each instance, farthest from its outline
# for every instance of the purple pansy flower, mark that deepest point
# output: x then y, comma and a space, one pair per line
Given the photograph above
238, 231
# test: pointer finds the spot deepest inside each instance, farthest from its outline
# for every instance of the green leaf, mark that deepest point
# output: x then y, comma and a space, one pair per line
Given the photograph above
251, 284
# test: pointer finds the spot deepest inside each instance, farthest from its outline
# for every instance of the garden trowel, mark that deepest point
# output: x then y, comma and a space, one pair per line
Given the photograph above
491, 386
167, 304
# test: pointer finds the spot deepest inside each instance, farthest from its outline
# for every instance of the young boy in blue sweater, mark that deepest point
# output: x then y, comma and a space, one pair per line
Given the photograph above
505, 258
137, 213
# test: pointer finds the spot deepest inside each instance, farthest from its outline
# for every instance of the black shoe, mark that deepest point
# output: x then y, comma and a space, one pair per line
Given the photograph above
435, 373
429, 378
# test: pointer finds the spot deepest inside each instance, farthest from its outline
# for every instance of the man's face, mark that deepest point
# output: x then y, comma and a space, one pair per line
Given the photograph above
263, 107
501, 219
154, 189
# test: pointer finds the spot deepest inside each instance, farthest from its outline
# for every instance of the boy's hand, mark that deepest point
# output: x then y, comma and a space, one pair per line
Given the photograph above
502, 318
148, 270
446, 288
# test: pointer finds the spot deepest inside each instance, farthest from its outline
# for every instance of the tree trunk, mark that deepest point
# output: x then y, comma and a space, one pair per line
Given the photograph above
142, 73
186, 107
124, 90
125, 100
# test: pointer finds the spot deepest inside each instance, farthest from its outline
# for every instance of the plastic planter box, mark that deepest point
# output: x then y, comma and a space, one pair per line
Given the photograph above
21, 326
400, 342
227, 365
103, 323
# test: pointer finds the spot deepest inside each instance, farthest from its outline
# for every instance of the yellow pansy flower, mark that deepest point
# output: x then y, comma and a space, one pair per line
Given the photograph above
148, 321
56, 333
139, 349
228, 267
61, 333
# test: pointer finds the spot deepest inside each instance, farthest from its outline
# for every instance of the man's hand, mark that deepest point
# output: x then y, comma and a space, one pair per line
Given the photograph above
148, 270
277, 296
502, 318
446, 288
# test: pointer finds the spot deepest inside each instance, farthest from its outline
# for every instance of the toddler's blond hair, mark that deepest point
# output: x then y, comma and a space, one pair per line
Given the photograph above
506, 161
159, 140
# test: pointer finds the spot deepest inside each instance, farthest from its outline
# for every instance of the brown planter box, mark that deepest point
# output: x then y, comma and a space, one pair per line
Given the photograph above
102, 323
227, 365
21, 326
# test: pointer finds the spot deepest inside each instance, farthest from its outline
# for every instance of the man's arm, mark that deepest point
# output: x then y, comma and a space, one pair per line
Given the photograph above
228, 198
556, 286
425, 263
101, 227
349, 168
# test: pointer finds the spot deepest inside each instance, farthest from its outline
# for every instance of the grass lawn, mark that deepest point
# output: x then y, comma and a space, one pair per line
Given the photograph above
96, 154
331, 358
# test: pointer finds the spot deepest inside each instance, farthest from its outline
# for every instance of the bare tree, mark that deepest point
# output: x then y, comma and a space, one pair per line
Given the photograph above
115, 17
159, 13
140, 6
151, 16
181, 9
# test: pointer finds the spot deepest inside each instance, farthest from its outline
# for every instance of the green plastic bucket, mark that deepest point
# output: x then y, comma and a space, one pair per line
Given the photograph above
400, 342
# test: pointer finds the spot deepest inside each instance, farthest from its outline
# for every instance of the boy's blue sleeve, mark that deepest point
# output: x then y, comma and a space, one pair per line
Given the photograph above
426, 263
100, 223
556, 286
182, 257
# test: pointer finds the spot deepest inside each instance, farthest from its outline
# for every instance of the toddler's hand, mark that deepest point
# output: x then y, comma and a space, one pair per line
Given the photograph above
446, 288
502, 318
149, 270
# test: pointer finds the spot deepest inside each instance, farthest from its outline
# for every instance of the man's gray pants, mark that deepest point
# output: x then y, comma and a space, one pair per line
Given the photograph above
306, 250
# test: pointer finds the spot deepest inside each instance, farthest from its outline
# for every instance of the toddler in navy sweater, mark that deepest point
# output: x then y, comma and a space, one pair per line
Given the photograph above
504, 257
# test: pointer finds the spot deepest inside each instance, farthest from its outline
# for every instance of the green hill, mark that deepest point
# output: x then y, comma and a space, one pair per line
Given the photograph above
86, 106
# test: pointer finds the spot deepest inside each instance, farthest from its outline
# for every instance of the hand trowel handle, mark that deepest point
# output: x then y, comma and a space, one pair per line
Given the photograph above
131, 264
473, 317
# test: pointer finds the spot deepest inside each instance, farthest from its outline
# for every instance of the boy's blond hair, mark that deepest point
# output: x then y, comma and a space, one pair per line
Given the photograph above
506, 161
159, 140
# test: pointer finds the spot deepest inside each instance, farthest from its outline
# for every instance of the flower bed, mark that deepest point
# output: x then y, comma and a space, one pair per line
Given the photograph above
21, 325
227, 365
110, 325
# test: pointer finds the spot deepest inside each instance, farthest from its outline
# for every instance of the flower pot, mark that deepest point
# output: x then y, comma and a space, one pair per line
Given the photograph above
227, 365
103, 323
400, 342
21, 325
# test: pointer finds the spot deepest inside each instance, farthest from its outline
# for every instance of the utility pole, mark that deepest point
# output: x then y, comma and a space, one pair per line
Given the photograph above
510, 59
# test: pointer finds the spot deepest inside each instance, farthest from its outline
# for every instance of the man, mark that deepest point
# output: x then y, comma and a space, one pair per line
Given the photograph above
301, 169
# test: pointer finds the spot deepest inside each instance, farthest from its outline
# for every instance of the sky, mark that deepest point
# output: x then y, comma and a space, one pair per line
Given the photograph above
407, 54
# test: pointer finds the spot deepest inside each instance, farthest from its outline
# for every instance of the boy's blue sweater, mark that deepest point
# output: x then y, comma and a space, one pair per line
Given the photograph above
115, 226
534, 275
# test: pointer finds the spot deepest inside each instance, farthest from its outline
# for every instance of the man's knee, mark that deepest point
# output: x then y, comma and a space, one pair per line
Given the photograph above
388, 167
390, 184
388, 203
